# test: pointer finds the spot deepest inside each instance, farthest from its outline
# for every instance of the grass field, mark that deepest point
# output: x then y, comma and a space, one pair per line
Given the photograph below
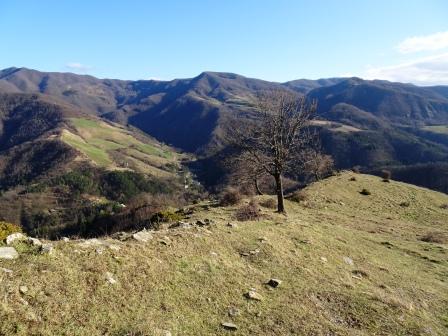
113, 146
350, 265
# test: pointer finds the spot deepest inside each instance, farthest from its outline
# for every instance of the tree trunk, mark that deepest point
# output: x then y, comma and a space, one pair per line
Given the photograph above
257, 187
280, 197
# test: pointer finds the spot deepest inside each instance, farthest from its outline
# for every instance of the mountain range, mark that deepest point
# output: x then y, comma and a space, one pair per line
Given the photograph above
370, 123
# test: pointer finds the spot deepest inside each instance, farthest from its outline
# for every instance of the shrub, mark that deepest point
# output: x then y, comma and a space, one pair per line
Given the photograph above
356, 169
365, 192
386, 175
298, 196
229, 197
435, 237
166, 216
269, 203
248, 212
8, 228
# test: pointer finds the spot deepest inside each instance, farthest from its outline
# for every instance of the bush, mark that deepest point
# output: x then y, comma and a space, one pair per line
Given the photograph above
386, 175
269, 203
365, 192
230, 197
166, 216
8, 228
298, 196
356, 169
435, 237
248, 212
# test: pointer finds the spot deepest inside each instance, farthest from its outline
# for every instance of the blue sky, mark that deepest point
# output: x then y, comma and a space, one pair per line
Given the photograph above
276, 40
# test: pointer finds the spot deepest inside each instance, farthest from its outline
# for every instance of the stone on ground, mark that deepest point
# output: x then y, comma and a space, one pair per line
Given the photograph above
142, 236
8, 253
229, 326
46, 249
253, 295
348, 261
110, 278
14, 236
35, 241
274, 283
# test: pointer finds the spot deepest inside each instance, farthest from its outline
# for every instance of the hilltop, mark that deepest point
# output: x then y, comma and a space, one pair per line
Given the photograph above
349, 264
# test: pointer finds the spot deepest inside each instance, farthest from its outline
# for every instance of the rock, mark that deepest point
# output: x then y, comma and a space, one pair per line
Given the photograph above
6, 270
122, 236
214, 254
181, 225
165, 241
233, 311
348, 261
263, 239
110, 278
65, 239
142, 236
8, 253
274, 283
90, 243
232, 225
323, 259
35, 241
229, 326
14, 236
205, 222
162, 332
23, 289
47, 249
254, 252
253, 295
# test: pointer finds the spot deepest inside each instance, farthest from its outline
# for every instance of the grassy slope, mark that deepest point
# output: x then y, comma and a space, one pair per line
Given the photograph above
110, 146
188, 286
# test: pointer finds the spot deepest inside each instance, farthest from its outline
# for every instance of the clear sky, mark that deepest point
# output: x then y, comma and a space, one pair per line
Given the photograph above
276, 40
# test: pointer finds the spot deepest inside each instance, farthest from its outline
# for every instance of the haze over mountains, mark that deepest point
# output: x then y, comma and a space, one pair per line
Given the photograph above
371, 123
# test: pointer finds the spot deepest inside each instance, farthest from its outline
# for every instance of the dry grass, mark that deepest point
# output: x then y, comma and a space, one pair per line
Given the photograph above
269, 203
396, 285
435, 237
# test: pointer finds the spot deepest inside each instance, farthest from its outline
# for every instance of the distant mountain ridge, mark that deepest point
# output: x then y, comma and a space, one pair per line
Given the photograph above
371, 123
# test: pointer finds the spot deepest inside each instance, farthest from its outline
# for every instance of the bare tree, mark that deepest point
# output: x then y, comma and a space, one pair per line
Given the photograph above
317, 164
277, 137
245, 173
